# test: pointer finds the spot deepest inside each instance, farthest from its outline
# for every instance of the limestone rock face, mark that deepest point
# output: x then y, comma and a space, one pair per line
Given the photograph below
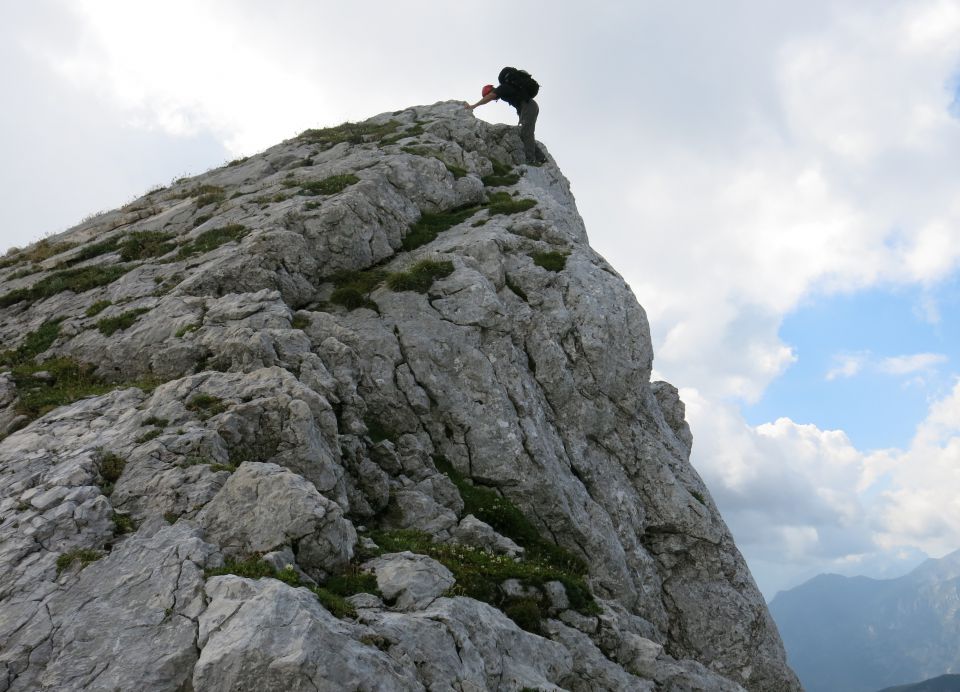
363, 411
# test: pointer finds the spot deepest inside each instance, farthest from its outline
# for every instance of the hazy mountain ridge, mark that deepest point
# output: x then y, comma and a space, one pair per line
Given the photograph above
857, 633
362, 411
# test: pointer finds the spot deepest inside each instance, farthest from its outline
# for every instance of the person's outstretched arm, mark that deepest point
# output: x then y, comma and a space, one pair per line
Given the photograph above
486, 99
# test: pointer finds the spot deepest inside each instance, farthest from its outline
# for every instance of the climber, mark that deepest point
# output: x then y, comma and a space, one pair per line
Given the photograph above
517, 88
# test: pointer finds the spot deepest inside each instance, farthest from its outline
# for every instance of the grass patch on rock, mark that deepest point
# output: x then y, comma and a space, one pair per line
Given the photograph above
109, 325
432, 224
353, 288
413, 131
36, 343
504, 516
420, 277
551, 261
354, 133
111, 467
328, 186
123, 524
141, 245
82, 555
502, 175
42, 250
76, 280
332, 594
212, 239
87, 252
503, 203
97, 308
42, 387
206, 406
480, 575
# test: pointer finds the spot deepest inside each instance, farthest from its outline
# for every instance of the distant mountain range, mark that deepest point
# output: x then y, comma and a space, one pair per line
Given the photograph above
942, 683
856, 634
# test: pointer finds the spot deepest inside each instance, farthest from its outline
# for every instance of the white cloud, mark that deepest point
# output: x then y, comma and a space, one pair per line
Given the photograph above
847, 365
840, 186
917, 362
801, 500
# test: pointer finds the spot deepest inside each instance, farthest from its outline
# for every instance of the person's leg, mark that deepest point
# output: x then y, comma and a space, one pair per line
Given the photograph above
528, 122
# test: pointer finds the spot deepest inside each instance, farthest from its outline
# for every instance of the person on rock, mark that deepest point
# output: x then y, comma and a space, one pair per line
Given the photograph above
517, 88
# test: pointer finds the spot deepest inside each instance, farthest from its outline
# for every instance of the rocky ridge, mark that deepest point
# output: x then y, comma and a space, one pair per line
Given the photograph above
364, 411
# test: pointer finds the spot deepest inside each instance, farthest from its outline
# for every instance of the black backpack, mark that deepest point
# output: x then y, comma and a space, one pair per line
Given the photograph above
521, 80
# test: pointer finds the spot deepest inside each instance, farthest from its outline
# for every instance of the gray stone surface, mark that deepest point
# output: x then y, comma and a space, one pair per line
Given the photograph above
459, 643
244, 395
410, 581
90, 633
265, 635
263, 507
472, 531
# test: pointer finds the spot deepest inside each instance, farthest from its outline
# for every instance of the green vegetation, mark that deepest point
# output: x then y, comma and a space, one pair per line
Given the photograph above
159, 422
212, 239
377, 431
353, 288
141, 245
328, 186
300, 322
76, 280
210, 198
111, 468
26, 271
237, 162
552, 261
420, 276
36, 343
503, 203
82, 555
206, 406
413, 131
170, 517
87, 252
354, 133
43, 249
432, 224
513, 286
183, 331
479, 575
331, 594
196, 190
122, 524
97, 308
55, 382
458, 171
487, 505
109, 325
214, 466
271, 199
698, 496
149, 435
502, 175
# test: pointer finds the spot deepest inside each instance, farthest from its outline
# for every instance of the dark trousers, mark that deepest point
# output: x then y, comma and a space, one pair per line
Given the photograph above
528, 122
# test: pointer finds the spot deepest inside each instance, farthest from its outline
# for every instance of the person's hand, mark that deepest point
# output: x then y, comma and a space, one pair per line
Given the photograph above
467, 106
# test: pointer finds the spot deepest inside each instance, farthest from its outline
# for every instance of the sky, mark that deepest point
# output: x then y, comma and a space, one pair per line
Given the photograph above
776, 181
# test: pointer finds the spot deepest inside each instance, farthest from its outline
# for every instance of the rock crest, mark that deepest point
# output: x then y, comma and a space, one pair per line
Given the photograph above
362, 411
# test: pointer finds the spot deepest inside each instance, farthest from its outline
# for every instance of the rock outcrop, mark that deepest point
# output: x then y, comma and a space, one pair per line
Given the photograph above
364, 411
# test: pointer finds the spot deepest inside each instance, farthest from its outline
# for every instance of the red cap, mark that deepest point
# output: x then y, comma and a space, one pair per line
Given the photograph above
487, 89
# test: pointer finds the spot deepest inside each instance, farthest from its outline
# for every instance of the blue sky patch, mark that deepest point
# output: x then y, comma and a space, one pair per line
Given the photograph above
858, 367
